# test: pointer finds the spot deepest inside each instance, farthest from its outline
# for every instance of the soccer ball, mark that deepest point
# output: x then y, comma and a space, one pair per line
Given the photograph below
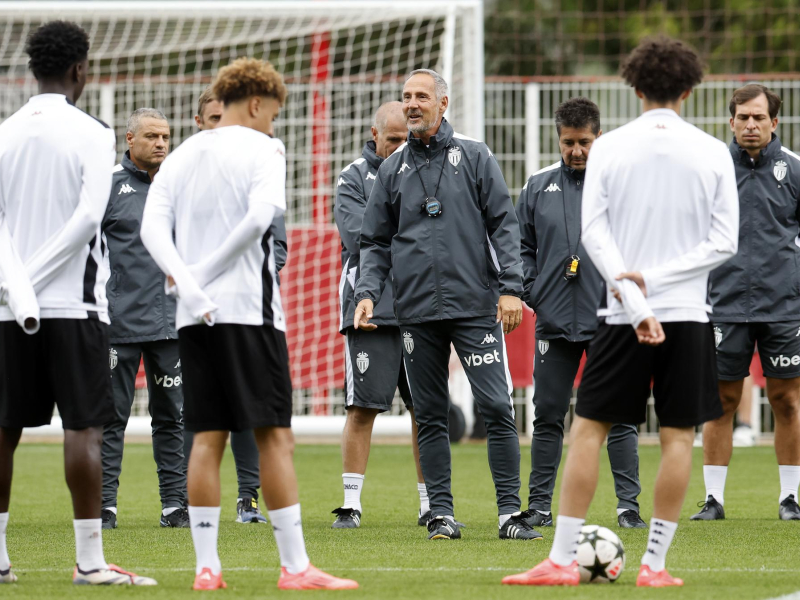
601, 556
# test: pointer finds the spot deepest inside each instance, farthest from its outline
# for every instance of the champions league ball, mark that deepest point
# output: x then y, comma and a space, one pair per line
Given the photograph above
601, 556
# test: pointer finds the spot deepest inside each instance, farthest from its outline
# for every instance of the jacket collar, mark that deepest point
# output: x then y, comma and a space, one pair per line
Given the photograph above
439, 141
128, 165
370, 155
772, 150
573, 174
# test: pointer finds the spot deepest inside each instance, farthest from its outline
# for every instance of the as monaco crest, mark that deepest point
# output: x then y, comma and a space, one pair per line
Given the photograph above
454, 156
112, 358
779, 170
544, 346
408, 342
717, 336
362, 362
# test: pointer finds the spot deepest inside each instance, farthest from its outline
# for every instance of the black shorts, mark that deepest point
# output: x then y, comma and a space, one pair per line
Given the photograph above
235, 377
778, 347
375, 369
619, 370
65, 364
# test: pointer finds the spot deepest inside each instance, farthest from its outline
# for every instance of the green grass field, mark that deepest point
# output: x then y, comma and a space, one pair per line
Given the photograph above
750, 555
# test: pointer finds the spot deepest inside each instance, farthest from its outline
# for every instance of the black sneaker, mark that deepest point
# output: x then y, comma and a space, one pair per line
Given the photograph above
423, 519
535, 518
517, 528
789, 510
346, 518
711, 511
109, 519
247, 511
630, 519
440, 528
177, 518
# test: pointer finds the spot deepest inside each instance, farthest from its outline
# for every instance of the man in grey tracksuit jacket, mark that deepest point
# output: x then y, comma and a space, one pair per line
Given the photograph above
549, 213
441, 219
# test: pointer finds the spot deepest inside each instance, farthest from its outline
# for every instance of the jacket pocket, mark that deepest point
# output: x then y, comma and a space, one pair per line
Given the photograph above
488, 271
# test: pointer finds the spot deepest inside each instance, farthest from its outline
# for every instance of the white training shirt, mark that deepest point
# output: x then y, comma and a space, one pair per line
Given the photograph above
660, 197
55, 180
219, 191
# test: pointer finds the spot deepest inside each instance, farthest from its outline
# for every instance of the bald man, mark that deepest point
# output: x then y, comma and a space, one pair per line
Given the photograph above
374, 358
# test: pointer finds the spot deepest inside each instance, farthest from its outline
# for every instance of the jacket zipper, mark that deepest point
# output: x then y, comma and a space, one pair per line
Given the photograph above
433, 253
749, 248
574, 290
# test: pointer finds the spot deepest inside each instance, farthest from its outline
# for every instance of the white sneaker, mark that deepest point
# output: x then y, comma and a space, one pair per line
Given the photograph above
113, 575
744, 437
7, 576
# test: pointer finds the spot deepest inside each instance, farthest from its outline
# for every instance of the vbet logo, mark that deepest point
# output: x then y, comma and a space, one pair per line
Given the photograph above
168, 382
784, 361
476, 360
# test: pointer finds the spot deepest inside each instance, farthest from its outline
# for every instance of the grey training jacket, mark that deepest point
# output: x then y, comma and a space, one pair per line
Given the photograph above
762, 282
452, 266
549, 213
353, 188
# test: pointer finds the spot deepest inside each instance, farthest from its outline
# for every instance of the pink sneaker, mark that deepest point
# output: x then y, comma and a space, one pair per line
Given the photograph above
648, 578
206, 580
546, 573
313, 579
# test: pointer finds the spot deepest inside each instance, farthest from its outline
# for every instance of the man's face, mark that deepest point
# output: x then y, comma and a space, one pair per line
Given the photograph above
392, 135
212, 113
420, 106
575, 143
752, 126
150, 144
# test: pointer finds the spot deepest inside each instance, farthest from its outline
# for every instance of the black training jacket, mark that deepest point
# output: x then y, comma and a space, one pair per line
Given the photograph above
353, 188
452, 266
762, 282
549, 213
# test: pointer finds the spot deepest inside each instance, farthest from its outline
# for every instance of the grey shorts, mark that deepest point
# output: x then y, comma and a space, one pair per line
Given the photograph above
374, 368
778, 347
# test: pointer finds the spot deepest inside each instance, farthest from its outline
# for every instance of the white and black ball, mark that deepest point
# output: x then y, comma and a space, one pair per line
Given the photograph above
601, 555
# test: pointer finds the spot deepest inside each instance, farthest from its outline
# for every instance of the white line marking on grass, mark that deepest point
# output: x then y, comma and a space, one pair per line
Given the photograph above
794, 596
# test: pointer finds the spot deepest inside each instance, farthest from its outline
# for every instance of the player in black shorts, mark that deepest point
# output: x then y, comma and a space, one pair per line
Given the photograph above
55, 163
220, 192
660, 211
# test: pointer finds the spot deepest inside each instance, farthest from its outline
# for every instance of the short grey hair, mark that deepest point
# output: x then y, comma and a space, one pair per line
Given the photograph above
134, 121
440, 85
382, 114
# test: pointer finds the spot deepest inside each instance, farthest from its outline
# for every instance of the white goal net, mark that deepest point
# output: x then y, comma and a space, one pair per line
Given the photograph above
341, 60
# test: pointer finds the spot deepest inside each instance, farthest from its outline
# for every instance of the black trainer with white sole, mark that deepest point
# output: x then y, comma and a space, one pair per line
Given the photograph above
108, 518
423, 519
789, 510
536, 518
178, 519
346, 518
441, 528
630, 519
516, 527
711, 511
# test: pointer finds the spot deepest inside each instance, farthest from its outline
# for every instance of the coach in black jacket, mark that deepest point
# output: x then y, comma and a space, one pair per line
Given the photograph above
440, 218
549, 213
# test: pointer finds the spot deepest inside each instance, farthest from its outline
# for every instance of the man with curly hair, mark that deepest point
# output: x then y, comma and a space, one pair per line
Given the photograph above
563, 286
660, 212
219, 192
56, 164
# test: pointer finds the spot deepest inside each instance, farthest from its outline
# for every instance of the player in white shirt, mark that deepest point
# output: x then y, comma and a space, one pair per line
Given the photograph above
55, 178
660, 211
219, 192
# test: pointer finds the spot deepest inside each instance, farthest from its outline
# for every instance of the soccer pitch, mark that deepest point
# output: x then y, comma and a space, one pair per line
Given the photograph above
750, 555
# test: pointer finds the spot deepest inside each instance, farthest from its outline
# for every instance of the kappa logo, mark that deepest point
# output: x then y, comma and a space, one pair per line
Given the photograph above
403, 168
125, 189
178, 366
718, 336
36, 113
408, 342
370, 176
340, 182
169, 382
204, 525
112, 358
454, 156
362, 361
779, 170
476, 360
784, 361
489, 339
798, 332
553, 187
544, 346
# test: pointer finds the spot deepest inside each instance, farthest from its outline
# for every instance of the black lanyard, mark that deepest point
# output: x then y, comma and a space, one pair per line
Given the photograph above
566, 225
424, 189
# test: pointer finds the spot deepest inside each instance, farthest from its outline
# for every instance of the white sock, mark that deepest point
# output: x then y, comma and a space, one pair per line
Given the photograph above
424, 501
288, 529
622, 510
503, 518
89, 544
168, 511
353, 482
565, 542
111, 508
5, 562
661, 534
790, 480
542, 512
205, 531
714, 477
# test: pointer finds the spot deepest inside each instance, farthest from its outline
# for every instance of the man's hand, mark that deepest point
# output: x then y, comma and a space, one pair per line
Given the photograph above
363, 315
635, 277
509, 310
650, 332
